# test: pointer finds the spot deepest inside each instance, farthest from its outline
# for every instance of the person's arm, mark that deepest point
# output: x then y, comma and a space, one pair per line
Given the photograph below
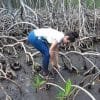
54, 53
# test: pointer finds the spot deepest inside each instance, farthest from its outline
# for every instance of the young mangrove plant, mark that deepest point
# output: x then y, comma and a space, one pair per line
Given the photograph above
62, 95
38, 82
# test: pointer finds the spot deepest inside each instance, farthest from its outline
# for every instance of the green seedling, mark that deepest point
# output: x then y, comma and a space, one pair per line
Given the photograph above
38, 82
63, 95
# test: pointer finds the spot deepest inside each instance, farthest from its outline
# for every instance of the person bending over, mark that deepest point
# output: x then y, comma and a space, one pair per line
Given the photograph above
39, 38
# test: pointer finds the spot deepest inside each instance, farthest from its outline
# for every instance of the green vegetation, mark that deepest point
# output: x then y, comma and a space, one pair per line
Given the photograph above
88, 3
38, 82
67, 90
10, 4
97, 3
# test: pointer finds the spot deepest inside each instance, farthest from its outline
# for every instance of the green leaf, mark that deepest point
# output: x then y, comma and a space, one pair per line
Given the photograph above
42, 82
68, 87
38, 81
61, 95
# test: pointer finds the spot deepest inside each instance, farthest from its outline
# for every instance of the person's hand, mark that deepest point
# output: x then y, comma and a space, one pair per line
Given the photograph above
57, 66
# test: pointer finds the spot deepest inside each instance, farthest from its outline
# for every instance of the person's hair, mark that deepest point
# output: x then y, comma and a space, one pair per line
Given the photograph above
72, 36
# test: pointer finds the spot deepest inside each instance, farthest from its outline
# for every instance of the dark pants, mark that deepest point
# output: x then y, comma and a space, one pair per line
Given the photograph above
42, 46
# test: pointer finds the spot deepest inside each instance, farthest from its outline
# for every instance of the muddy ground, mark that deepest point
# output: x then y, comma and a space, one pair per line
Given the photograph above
24, 89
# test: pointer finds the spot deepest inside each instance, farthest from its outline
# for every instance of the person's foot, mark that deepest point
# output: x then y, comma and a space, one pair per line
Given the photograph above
47, 75
54, 72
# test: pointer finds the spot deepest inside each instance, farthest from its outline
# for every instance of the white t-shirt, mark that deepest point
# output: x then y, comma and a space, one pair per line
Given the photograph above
49, 34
